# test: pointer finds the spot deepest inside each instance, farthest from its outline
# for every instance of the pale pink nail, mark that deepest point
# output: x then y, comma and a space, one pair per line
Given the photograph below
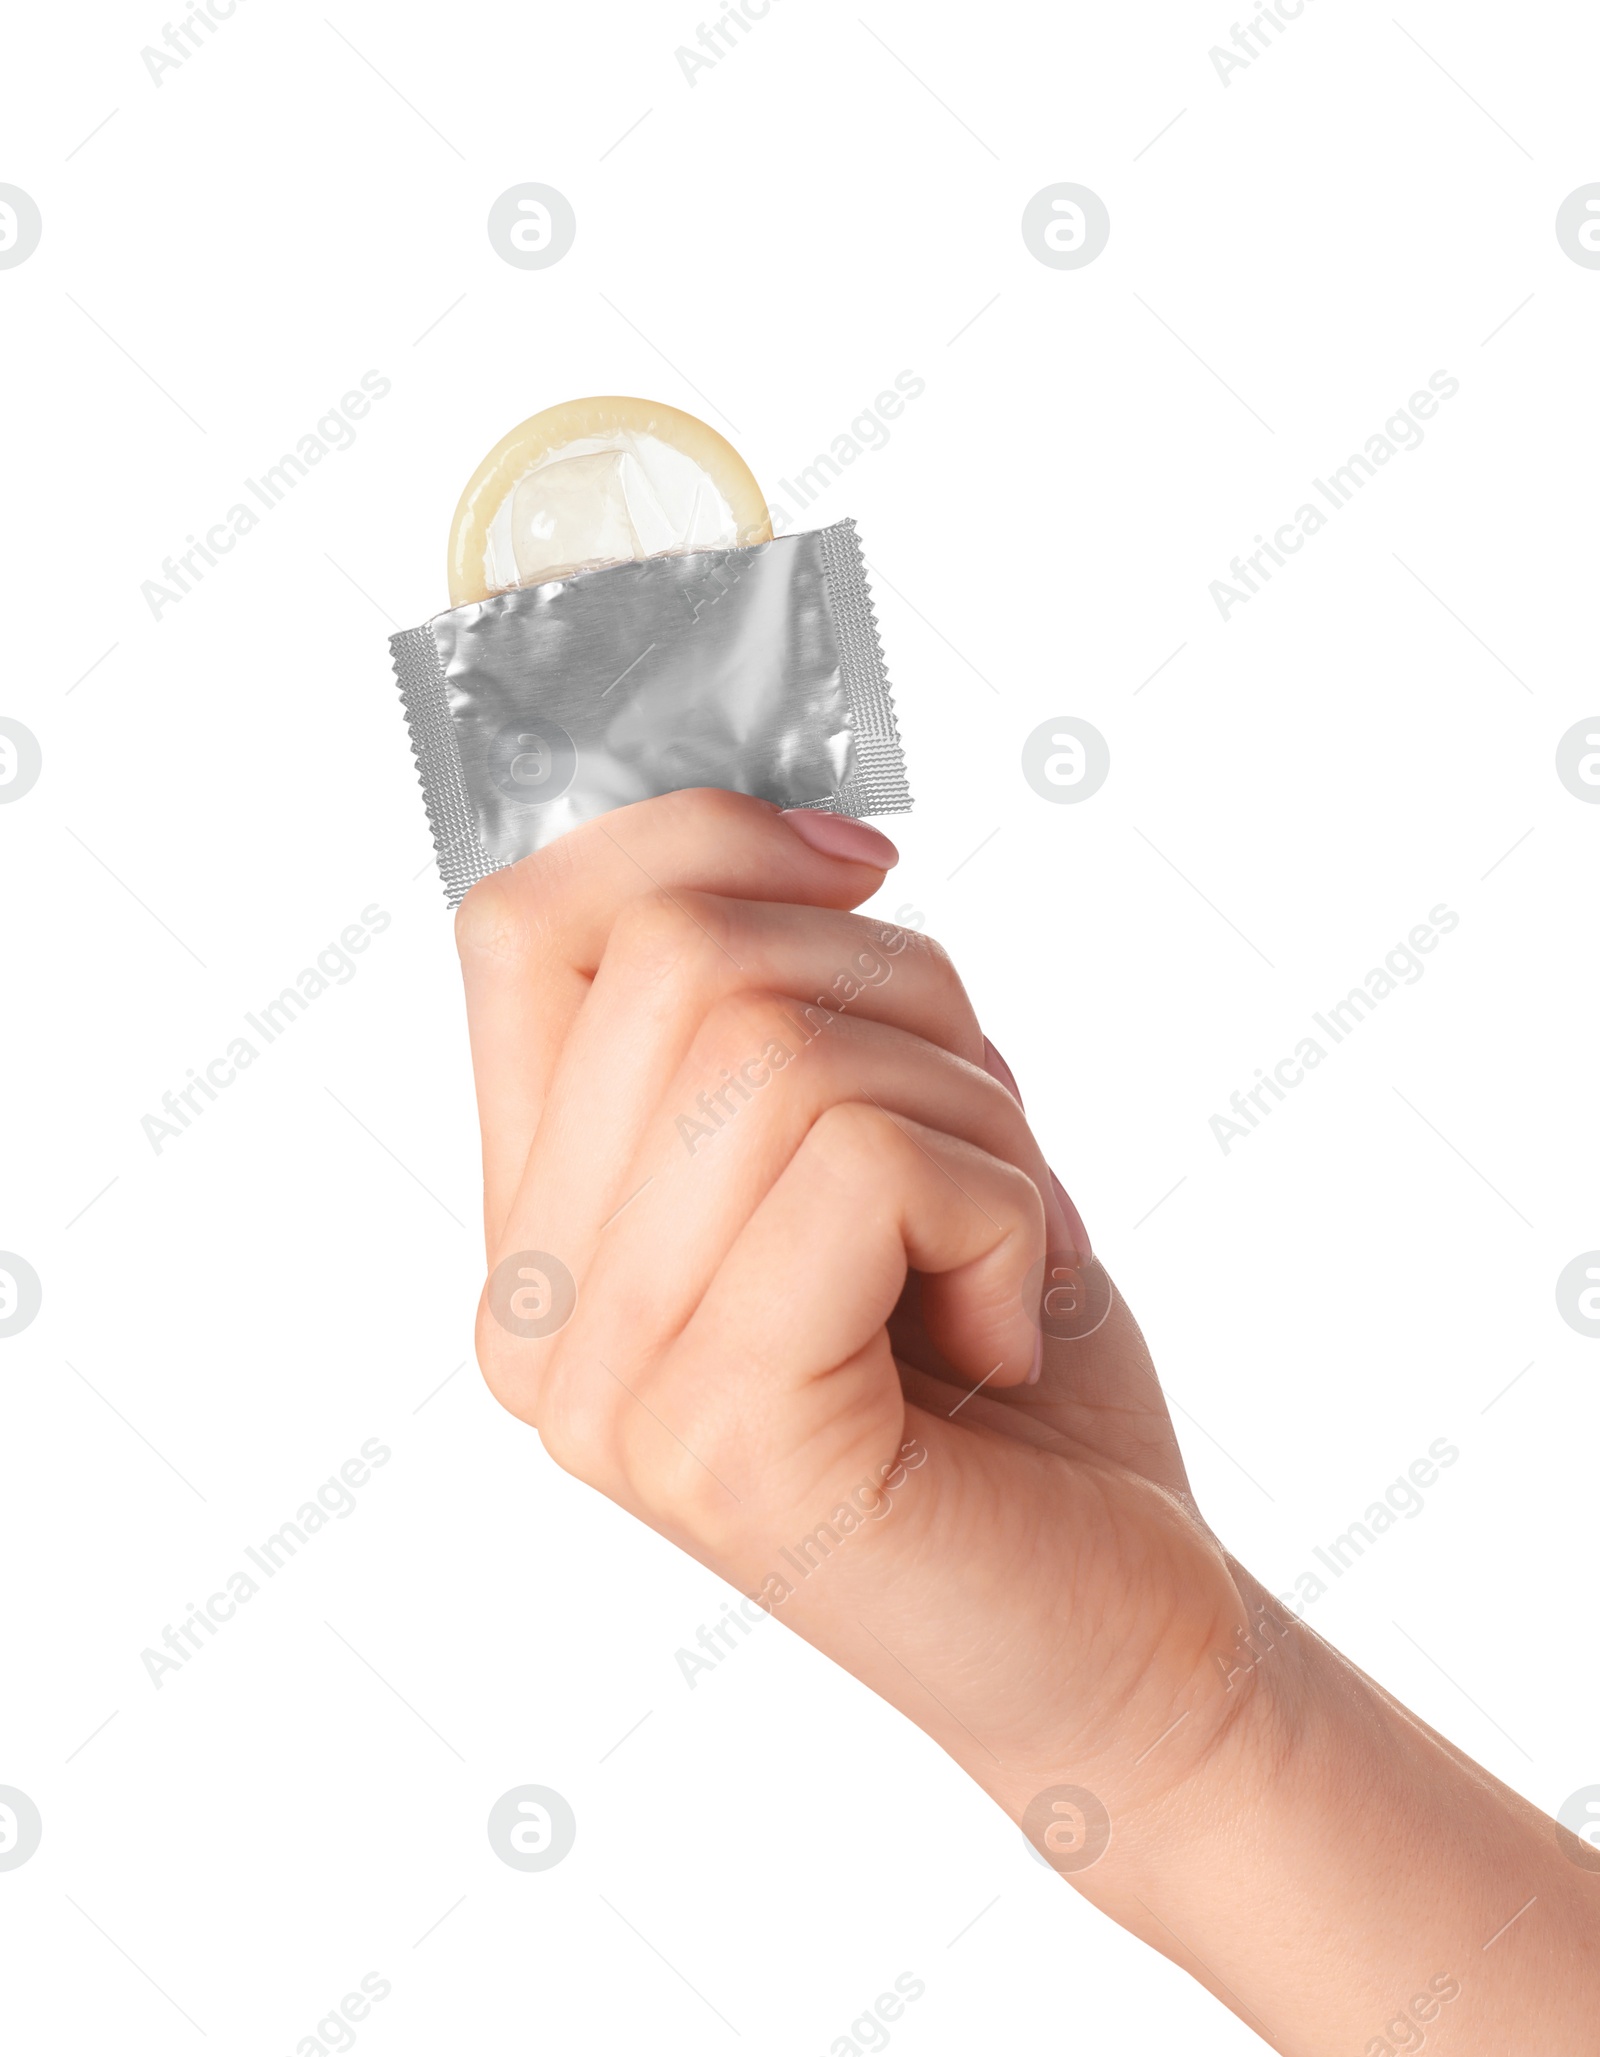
997, 1068
1080, 1235
1038, 1359
836, 835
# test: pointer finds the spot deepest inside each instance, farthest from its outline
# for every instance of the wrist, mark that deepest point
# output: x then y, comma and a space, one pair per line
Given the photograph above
1330, 1866
1264, 1716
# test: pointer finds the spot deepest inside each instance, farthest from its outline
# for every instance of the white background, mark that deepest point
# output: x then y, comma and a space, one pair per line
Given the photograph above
227, 787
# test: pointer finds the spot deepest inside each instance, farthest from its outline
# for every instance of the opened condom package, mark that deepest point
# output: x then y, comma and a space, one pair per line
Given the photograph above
623, 622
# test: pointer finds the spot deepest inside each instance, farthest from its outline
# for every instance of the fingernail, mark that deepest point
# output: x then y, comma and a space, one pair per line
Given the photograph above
1080, 1235
836, 835
997, 1068
1038, 1359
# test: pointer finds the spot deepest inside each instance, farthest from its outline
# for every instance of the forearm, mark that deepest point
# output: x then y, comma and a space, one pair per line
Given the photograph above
1347, 1881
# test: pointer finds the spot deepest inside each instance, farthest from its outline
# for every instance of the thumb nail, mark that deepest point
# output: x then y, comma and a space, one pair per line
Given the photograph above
839, 835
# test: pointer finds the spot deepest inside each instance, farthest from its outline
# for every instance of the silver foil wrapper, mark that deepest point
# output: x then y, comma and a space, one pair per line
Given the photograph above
756, 670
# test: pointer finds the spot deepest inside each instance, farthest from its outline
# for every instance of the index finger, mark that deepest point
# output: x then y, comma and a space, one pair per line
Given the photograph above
530, 937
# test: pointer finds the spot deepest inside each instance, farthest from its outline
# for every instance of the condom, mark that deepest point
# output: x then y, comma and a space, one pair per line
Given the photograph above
597, 482
624, 624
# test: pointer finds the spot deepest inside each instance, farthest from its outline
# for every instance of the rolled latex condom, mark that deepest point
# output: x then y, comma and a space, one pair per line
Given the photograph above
595, 482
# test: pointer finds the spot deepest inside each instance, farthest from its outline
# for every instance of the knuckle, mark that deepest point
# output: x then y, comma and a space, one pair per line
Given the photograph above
643, 1452
877, 950
647, 930
653, 931
576, 1427
1021, 1195
690, 1494
1012, 1201
491, 922
679, 1472
714, 810
928, 950
855, 1143
504, 1367
534, 1385
939, 967
516, 911
744, 1024
936, 972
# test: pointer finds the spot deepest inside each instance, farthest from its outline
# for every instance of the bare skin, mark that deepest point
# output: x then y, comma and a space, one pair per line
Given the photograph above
809, 1246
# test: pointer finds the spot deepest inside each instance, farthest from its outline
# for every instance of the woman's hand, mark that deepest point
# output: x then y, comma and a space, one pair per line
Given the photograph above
733, 1114
774, 1260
